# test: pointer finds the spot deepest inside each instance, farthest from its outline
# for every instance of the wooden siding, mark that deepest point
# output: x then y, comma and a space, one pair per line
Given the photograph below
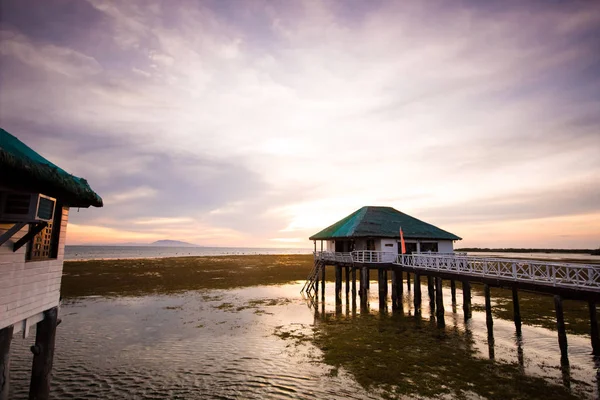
28, 288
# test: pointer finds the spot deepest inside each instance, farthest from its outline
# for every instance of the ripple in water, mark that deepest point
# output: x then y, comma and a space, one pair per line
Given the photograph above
221, 345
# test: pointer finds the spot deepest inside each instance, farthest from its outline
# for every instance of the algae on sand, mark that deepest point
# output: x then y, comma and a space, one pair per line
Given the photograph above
399, 356
170, 275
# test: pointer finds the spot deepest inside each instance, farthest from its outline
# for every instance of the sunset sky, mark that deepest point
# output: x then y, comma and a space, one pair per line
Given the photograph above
258, 123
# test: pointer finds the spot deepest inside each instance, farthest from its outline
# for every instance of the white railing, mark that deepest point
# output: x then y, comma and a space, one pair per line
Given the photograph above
358, 256
530, 271
332, 256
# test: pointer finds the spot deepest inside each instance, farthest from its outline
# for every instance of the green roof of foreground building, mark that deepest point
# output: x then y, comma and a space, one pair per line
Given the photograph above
25, 170
373, 221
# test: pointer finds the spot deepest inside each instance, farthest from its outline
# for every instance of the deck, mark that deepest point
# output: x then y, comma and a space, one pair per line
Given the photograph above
562, 280
546, 276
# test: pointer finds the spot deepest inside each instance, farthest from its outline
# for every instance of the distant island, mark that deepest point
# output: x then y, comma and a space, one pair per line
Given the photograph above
513, 250
172, 243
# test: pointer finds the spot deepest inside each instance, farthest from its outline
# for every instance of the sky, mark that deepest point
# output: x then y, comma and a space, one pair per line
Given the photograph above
258, 123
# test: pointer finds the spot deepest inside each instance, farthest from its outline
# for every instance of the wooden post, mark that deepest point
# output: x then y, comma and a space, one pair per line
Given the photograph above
394, 289
338, 284
517, 310
353, 281
382, 286
347, 273
560, 326
399, 284
408, 281
364, 274
323, 282
594, 330
417, 293
43, 355
385, 283
364, 289
466, 289
488, 309
453, 291
318, 265
431, 293
439, 300
6, 335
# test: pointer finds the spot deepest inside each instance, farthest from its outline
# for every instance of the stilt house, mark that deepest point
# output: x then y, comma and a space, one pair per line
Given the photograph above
35, 197
378, 229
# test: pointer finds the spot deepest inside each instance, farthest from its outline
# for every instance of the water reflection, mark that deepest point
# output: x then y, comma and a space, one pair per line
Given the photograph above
483, 338
269, 342
213, 344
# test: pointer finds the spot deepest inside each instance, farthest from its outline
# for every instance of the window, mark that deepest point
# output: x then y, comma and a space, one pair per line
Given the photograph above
429, 246
370, 244
44, 245
411, 247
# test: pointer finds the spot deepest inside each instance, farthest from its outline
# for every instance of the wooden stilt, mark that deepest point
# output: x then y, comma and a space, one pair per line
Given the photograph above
516, 310
338, 284
399, 285
394, 289
353, 281
594, 330
323, 283
385, 282
560, 326
347, 273
43, 356
488, 309
466, 289
417, 293
364, 274
6, 335
382, 289
431, 293
364, 299
408, 281
453, 291
489, 321
354, 303
439, 302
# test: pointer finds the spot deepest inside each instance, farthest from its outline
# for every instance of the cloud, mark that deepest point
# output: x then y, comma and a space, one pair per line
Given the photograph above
274, 119
52, 58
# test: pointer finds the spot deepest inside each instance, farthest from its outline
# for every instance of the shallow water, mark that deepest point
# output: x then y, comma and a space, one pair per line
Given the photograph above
257, 342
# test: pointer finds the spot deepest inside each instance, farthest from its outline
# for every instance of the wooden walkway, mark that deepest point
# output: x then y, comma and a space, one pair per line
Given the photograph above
563, 280
577, 281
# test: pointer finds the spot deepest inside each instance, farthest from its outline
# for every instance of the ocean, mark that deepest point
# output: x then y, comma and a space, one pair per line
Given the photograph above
120, 252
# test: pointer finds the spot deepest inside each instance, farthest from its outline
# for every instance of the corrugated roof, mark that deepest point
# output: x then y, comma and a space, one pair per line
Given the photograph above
373, 221
24, 169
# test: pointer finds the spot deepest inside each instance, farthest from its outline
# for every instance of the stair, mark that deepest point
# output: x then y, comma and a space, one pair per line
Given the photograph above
312, 279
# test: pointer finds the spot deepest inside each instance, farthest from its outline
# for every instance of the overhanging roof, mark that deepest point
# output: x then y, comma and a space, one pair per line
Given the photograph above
373, 221
25, 170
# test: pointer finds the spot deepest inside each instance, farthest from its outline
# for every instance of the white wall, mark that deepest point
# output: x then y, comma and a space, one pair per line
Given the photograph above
28, 288
393, 248
330, 246
445, 246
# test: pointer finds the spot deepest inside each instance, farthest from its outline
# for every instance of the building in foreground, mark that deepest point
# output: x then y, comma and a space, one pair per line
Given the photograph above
378, 229
35, 197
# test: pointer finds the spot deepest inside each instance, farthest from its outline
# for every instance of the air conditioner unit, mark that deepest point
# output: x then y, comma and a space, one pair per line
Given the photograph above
26, 207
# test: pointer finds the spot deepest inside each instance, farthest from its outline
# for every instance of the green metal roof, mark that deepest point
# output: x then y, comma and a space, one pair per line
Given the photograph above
25, 170
372, 221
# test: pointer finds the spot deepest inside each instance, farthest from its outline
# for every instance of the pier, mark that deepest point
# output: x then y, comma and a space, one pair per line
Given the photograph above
561, 280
